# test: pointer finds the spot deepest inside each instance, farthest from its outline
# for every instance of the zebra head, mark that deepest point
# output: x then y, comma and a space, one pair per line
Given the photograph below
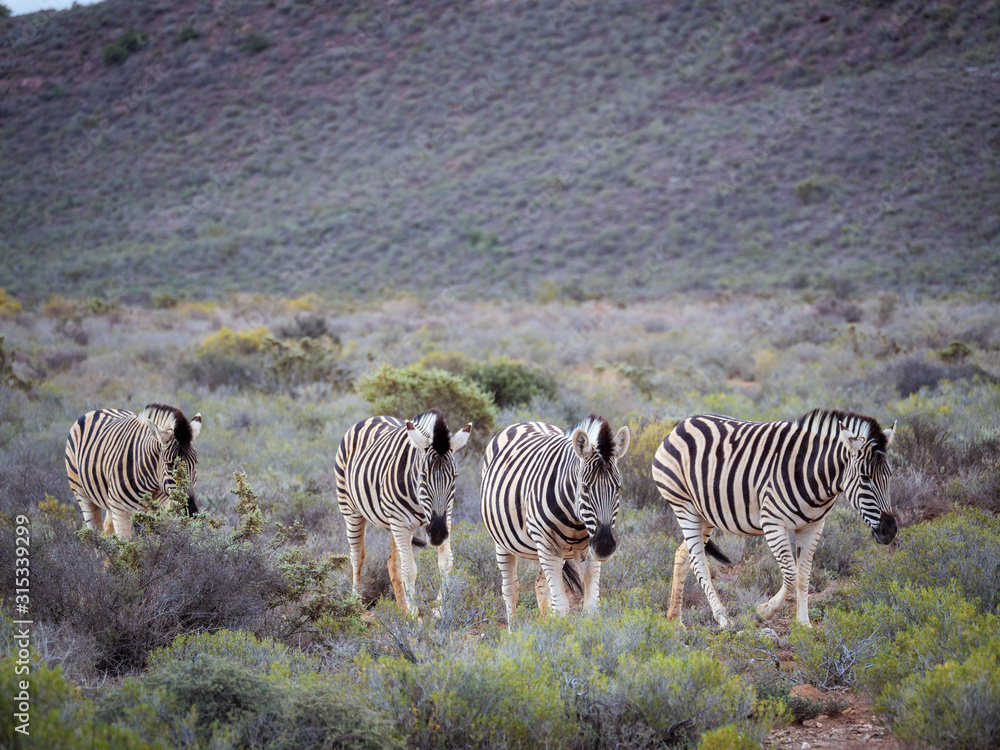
599, 486
866, 478
435, 467
176, 436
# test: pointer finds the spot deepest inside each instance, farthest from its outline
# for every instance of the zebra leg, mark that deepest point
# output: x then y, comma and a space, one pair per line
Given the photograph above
777, 539
445, 562
123, 523
590, 573
356, 539
806, 540
696, 546
542, 593
407, 569
552, 566
510, 586
91, 511
682, 564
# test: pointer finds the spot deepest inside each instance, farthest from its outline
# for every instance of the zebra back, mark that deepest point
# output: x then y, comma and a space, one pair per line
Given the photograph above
115, 457
721, 466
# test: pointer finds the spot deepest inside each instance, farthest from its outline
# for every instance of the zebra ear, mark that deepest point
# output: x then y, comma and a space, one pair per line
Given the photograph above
852, 441
162, 436
417, 438
581, 443
890, 433
195, 426
460, 438
621, 442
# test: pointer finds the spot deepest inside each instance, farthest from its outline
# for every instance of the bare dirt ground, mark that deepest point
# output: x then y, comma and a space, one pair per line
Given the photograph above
853, 729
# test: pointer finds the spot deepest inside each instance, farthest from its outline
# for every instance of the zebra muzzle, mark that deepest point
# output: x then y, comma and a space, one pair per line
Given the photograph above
192, 505
886, 530
603, 543
437, 529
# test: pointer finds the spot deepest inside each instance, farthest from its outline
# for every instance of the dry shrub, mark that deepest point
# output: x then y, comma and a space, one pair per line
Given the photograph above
636, 466
132, 597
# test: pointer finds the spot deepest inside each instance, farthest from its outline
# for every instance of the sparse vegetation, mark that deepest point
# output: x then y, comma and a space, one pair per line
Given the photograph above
580, 229
121, 48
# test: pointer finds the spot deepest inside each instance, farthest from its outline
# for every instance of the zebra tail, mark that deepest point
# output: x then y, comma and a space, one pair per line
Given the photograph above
713, 549
572, 579
418, 542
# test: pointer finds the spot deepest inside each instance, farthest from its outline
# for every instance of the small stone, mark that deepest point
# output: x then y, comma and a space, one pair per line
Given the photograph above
805, 746
809, 692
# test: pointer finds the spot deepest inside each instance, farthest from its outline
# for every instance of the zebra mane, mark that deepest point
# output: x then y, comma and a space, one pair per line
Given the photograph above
867, 427
170, 418
432, 423
599, 433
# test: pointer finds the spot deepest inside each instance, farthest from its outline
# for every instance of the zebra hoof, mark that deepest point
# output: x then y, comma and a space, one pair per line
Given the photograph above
762, 610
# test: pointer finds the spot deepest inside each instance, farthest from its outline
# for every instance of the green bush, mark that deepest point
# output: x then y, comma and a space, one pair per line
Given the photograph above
254, 42
512, 383
217, 695
119, 50
472, 700
59, 717
681, 696
963, 545
322, 714
728, 737
407, 391
187, 34
954, 705
878, 644
254, 358
257, 654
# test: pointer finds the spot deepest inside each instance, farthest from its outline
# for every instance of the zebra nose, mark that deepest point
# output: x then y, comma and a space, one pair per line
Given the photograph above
437, 529
886, 530
603, 543
192, 505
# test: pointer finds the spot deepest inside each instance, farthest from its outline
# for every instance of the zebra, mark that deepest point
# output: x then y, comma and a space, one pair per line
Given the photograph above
399, 475
552, 495
770, 478
114, 458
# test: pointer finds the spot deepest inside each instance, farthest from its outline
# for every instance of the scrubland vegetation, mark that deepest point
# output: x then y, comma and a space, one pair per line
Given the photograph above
238, 628
292, 215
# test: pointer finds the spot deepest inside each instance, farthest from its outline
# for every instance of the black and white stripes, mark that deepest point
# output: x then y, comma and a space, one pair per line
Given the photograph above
770, 478
553, 495
399, 475
115, 457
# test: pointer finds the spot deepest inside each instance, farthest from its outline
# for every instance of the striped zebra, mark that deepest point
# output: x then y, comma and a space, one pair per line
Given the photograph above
552, 495
770, 478
115, 457
399, 475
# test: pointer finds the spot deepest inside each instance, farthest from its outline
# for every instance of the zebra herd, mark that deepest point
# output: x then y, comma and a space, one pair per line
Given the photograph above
547, 494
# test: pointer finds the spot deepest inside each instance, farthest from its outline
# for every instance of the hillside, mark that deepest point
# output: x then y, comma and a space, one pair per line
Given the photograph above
347, 148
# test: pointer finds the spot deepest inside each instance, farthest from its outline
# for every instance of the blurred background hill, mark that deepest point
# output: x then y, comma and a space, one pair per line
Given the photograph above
512, 149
